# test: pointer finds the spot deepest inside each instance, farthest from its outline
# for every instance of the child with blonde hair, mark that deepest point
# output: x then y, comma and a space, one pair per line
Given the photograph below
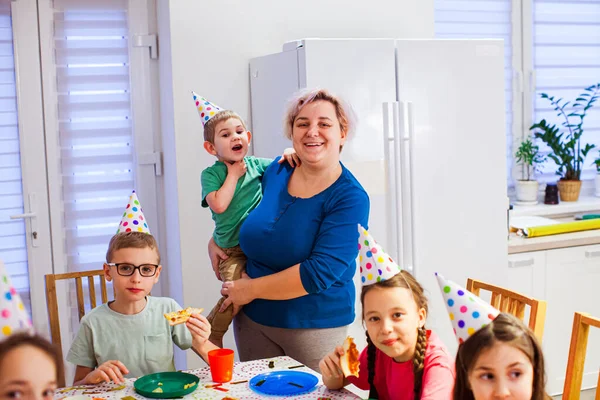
498, 356
403, 360
232, 188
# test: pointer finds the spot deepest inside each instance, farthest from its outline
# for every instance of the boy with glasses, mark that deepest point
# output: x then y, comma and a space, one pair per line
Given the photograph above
129, 337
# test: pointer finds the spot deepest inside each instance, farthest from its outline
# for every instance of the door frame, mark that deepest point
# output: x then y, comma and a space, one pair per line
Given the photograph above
33, 156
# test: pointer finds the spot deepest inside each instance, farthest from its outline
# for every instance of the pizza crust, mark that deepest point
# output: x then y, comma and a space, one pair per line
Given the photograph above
349, 361
181, 316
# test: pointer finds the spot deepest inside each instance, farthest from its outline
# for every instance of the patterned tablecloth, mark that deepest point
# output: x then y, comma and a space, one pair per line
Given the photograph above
243, 371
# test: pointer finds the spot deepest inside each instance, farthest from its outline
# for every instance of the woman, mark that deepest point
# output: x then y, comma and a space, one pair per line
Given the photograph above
298, 295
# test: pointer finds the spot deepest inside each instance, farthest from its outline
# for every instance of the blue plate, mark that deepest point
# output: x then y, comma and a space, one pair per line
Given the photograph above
283, 383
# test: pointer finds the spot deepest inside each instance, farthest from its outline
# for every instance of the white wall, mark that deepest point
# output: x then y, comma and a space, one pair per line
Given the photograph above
205, 47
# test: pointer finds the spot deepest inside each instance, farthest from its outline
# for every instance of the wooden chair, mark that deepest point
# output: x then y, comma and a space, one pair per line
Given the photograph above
514, 303
579, 339
53, 302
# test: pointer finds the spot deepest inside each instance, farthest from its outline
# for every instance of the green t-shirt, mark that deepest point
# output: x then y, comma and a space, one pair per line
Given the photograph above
143, 341
248, 193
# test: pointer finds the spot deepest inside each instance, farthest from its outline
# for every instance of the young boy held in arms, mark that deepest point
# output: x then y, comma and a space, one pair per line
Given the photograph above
231, 187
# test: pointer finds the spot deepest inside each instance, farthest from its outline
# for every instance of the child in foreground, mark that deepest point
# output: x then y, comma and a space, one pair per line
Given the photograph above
130, 337
498, 357
402, 360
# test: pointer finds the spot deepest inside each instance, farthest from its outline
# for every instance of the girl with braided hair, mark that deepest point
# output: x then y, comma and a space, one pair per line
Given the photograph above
402, 360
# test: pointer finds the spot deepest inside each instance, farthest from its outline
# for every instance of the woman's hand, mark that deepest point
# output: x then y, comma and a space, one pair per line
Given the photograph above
238, 293
216, 254
291, 157
331, 369
108, 371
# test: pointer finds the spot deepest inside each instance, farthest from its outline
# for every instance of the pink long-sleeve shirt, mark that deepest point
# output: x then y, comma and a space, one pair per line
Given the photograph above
395, 381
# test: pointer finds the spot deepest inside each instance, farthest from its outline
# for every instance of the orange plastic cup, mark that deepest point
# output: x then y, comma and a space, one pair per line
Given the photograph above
221, 365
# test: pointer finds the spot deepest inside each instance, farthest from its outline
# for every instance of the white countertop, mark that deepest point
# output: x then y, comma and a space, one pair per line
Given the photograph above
562, 212
518, 244
585, 204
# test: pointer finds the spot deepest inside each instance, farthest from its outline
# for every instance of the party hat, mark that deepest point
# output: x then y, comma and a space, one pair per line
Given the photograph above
206, 109
468, 312
13, 316
133, 217
375, 264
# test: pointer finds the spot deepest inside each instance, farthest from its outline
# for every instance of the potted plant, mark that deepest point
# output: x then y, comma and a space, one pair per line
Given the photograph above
565, 141
597, 162
529, 158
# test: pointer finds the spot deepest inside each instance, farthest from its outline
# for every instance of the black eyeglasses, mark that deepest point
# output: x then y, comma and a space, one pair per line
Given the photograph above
124, 269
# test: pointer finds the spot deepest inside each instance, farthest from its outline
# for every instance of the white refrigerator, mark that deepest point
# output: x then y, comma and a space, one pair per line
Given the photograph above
429, 148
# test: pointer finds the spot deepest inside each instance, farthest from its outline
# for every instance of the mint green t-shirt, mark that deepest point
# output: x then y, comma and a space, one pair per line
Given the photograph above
143, 341
248, 194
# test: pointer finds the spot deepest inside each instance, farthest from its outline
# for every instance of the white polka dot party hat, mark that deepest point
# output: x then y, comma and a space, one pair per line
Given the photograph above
133, 217
375, 264
205, 108
467, 312
13, 315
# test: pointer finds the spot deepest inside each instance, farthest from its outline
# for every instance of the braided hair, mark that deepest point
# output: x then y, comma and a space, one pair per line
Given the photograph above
371, 357
419, 360
401, 280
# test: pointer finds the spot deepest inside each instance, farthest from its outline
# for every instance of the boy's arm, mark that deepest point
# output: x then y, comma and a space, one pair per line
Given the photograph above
200, 329
219, 200
108, 371
203, 350
81, 373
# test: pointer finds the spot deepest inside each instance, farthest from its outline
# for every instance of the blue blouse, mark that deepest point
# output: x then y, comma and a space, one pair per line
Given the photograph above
320, 233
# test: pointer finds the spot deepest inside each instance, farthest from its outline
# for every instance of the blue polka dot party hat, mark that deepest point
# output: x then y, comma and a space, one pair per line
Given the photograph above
133, 217
467, 312
13, 315
375, 264
205, 108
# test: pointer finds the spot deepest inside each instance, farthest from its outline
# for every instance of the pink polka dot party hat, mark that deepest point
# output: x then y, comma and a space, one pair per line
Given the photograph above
133, 217
468, 312
205, 108
375, 264
13, 315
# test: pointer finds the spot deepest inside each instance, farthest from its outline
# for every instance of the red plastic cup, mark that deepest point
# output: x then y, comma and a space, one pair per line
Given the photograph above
221, 365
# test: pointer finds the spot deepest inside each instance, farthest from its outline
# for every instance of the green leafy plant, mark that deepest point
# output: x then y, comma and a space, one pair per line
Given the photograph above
565, 142
597, 162
528, 156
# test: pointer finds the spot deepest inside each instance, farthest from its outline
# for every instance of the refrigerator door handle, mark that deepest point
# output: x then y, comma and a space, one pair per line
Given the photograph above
406, 189
399, 178
393, 199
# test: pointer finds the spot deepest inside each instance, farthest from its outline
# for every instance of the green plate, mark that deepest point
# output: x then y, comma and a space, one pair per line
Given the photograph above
172, 384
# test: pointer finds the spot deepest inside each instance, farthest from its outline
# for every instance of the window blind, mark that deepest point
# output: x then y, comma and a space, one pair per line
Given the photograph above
13, 243
482, 19
567, 60
95, 124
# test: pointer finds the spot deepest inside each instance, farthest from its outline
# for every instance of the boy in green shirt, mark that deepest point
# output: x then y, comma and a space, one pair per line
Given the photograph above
231, 187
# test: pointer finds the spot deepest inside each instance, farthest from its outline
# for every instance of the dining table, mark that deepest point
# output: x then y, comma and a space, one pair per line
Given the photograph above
237, 388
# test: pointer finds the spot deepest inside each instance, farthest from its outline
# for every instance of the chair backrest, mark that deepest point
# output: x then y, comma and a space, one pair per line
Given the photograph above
579, 339
514, 303
53, 302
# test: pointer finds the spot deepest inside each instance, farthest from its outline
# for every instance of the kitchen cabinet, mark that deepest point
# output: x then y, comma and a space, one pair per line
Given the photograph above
569, 280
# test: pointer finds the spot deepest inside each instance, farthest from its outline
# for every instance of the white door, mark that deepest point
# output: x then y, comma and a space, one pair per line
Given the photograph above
25, 244
456, 169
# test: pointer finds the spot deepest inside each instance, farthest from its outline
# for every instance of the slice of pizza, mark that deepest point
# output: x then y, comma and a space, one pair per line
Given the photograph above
181, 316
349, 361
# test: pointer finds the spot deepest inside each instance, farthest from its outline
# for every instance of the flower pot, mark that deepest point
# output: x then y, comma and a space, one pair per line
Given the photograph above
527, 191
598, 185
569, 190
